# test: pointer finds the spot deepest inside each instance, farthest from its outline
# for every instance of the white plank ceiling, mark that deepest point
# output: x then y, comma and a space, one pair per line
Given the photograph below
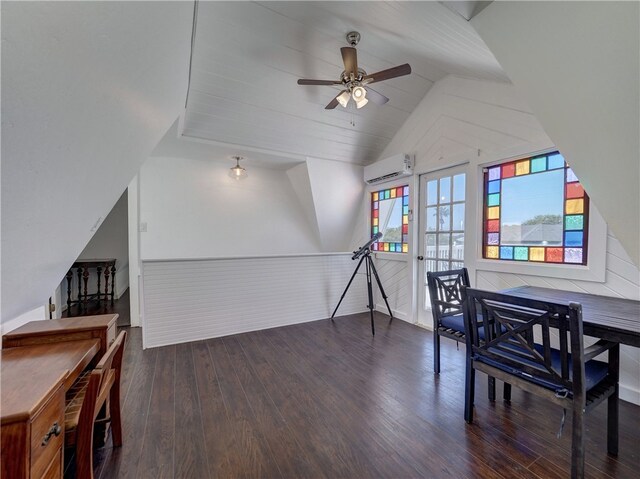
248, 56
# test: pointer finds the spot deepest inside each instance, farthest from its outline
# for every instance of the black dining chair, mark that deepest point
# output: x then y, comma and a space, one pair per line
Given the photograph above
445, 293
517, 348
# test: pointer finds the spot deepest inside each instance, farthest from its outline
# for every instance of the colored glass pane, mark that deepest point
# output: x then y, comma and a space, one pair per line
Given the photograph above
556, 161
536, 254
386, 246
405, 238
406, 191
405, 229
538, 164
521, 253
405, 210
574, 207
555, 255
574, 222
522, 168
405, 200
571, 176
374, 246
506, 252
376, 213
508, 170
374, 221
405, 219
494, 173
398, 247
573, 255
575, 190
493, 200
387, 194
493, 226
375, 230
405, 248
573, 238
493, 187
492, 252
493, 238
375, 196
392, 247
493, 213
375, 205
392, 193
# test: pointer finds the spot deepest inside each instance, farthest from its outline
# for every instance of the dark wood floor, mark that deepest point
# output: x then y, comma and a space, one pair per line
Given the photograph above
120, 306
327, 400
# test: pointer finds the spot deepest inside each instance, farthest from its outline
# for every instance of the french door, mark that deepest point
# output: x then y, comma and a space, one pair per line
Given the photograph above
441, 222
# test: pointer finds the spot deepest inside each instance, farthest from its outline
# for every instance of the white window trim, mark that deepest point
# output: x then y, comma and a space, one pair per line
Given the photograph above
595, 270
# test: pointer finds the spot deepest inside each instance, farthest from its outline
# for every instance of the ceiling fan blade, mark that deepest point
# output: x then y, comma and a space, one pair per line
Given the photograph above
318, 82
334, 103
350, 59
375, 97
394, 72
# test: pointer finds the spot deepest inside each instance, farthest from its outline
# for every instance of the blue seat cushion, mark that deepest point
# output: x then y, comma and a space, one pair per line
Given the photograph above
456, 322
595, 371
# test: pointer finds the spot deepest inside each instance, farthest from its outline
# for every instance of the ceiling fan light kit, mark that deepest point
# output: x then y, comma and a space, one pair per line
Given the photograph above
355, 80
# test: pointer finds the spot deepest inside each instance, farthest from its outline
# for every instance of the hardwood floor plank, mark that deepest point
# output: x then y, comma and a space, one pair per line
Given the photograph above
122, 462
158, 450
257, 458
324, 399
189, 451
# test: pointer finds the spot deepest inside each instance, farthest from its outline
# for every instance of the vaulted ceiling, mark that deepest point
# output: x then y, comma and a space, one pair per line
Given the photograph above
247, 57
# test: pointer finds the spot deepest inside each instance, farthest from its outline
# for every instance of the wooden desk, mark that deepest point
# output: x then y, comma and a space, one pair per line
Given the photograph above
102, 327
33, 383
613, 319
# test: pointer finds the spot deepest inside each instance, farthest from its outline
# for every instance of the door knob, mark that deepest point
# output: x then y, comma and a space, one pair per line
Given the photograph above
420, 258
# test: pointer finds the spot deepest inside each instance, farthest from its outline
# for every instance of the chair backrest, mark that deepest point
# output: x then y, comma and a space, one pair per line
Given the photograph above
445, 291
103, 376
508, 340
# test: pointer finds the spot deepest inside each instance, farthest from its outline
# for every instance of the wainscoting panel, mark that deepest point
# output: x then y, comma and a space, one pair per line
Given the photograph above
188, 300
394, 276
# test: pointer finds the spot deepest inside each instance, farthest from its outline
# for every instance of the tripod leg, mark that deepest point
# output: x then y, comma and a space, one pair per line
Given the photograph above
384, 295
370, 292
347, 288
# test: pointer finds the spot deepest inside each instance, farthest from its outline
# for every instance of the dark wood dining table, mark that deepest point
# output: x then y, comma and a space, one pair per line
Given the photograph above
605, 317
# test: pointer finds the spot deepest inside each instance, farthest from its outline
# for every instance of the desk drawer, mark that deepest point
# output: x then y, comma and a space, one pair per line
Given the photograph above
45, 444
53, 470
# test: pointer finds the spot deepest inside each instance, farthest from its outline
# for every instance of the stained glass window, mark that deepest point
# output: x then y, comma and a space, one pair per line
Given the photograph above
390, 216
535, 210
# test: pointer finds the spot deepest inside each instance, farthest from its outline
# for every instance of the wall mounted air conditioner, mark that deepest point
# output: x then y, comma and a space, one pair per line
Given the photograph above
388, 169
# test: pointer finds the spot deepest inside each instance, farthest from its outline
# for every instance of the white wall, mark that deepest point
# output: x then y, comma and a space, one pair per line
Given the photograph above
88, 89
578, 66
109, 241
257, 259
457, 118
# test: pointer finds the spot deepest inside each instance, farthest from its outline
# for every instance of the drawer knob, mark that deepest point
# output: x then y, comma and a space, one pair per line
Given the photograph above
54, 431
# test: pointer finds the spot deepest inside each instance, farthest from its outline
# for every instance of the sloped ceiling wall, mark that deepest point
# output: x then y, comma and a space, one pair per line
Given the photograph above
577, 66
88, 89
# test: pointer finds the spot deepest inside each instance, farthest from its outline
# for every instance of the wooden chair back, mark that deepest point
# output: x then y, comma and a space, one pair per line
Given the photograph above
509, 330
445, 291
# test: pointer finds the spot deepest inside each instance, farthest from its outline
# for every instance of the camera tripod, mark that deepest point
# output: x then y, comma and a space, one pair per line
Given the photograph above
365, 252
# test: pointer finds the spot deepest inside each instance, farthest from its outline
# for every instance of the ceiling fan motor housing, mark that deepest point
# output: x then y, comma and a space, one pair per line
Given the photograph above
353, 38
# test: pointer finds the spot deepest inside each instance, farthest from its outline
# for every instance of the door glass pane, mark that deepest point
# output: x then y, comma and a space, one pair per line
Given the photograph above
444, 220
430, 245
432, 218
444, 244
457, 246
445, 190
458, 217
458, 187
432, 192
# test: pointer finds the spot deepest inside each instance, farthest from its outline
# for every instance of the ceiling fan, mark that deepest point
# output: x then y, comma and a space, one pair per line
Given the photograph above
355, 80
